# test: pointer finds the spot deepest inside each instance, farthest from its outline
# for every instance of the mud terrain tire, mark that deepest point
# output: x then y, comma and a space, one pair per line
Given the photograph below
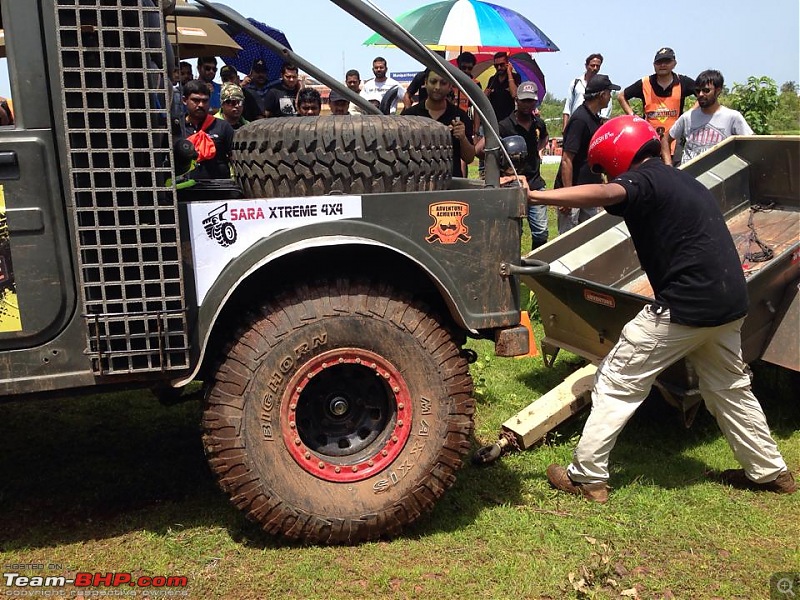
339, 414
313, 156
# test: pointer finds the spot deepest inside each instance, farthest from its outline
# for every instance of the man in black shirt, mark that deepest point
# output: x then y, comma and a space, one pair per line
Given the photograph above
501, 89
699, 304
574, 170
524, 122
212, 162
438, 108
281, 101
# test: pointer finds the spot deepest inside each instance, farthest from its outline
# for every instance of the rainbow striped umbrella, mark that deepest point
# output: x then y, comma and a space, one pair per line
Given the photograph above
472, 25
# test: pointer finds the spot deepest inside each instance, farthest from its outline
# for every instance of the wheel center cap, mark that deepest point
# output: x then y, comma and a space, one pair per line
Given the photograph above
339, 406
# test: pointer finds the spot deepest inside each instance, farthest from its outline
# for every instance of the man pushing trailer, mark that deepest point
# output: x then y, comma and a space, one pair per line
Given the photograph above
700, 301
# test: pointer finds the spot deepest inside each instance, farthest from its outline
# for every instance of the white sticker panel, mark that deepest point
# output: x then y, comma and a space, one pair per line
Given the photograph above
223, 230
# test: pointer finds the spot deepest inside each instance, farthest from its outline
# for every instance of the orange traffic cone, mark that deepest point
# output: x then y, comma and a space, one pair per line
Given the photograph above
525, 320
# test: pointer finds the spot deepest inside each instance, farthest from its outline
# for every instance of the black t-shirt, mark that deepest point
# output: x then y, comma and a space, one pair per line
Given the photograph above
450, 113
218, 167
538, 131
577, 135
683, 245
250, 108
501, 99
635, 90
280, 102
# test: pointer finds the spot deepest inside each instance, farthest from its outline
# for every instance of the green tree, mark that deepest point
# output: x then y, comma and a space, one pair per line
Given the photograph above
756, 100
786, 118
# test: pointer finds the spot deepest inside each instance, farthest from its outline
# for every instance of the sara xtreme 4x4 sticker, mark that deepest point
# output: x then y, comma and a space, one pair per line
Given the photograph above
448, 223
221, 231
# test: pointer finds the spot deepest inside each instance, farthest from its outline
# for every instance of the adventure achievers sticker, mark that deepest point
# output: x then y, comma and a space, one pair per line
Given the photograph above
448, 223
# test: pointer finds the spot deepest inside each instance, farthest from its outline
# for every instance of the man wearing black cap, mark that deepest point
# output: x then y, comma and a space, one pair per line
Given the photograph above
338, 104
257, 84
662, 93
526, 123
574, 168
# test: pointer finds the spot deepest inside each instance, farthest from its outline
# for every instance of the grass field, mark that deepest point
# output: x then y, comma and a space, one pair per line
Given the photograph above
118, 482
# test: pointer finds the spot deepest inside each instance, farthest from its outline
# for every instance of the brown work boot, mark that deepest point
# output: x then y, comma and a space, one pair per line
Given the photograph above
559, 479
783, 484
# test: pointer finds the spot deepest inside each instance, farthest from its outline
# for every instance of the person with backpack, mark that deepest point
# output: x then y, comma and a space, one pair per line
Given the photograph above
212, 138
577, 89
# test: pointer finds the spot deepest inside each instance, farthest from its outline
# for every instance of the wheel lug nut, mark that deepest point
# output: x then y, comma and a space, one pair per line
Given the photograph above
341, 360
386, 375
358, 361
371, 463
307, 455
373, 366
292, 425
384, 453
293, 406
355, 469
400, 423
324, 365
338, 469
401, 406
297, 441
394, 439
321, 465
395, 389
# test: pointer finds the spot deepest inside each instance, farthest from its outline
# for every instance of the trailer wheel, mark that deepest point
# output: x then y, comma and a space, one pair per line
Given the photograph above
339, 414
313, 156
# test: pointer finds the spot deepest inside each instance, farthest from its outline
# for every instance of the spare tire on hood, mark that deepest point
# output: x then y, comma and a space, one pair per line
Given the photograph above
360, 154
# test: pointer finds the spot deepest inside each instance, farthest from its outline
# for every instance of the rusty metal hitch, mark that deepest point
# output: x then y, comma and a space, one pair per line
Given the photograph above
530, 266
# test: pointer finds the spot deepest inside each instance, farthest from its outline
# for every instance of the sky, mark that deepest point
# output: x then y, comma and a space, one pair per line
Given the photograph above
739, 38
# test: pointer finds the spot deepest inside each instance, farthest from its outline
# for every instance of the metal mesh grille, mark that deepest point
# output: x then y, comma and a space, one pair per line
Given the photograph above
118, 136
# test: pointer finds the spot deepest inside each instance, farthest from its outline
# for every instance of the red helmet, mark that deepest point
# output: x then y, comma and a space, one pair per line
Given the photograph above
616, 143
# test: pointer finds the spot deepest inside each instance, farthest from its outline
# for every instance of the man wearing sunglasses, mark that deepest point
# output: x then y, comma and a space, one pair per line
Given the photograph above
206, 71
502, 86
232, 105
663, 93
708, 126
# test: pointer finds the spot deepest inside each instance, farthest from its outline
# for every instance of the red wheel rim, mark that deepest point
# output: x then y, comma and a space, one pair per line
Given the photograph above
348, 415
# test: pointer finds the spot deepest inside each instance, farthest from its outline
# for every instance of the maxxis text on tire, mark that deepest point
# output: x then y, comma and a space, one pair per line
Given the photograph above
339, 413
313, 156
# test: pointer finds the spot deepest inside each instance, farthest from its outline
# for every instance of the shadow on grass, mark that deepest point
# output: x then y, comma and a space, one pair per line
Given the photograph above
98, 467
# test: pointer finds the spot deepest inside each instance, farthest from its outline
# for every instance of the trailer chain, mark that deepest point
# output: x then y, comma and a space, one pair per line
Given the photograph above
766, 253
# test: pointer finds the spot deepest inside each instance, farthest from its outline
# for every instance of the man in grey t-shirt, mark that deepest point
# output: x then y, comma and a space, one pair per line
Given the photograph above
708, 125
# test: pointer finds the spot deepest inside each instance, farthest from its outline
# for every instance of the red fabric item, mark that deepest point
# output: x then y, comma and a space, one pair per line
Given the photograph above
202, 142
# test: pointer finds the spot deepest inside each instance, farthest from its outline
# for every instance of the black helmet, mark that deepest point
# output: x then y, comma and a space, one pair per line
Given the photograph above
517, 150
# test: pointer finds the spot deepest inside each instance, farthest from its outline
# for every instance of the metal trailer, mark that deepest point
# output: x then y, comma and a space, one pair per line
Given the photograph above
595, 284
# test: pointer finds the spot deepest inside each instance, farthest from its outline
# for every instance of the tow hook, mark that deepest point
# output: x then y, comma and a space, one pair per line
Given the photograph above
489, 454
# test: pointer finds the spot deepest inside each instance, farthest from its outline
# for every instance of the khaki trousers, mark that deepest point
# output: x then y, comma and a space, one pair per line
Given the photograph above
648, 345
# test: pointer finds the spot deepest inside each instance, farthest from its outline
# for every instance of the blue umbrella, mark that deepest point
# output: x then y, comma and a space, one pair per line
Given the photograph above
251, 50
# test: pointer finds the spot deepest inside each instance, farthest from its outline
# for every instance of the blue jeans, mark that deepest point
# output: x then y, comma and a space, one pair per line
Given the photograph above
537, 221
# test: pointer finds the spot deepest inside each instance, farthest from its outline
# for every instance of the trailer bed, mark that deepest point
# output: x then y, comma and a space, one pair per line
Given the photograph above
596, 285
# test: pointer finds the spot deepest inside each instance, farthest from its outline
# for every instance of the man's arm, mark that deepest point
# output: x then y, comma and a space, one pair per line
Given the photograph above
666, 145
566, 168
623, 102
512, 80
543, 136
271, 106
580, 196
459, 129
